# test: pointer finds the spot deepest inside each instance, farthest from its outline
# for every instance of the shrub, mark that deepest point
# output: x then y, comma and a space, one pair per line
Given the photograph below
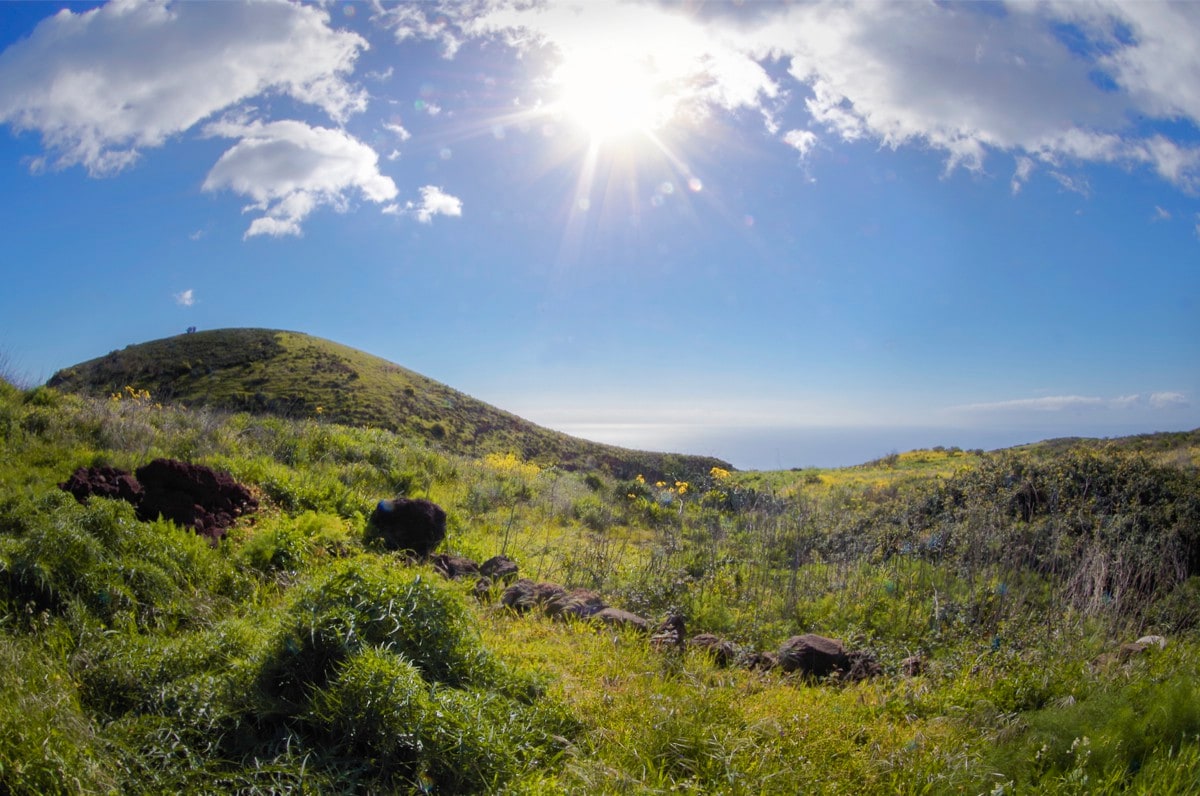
365, 602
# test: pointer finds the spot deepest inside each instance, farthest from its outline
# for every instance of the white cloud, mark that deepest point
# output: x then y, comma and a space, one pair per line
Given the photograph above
693, 67
1168, 400
1161, 214
1049, 403
409, 21
289, 169
398, 130
1077, 185
801, 140
1073, 403
103, 84
1021, 175
434, 202
185, 299
1056, 82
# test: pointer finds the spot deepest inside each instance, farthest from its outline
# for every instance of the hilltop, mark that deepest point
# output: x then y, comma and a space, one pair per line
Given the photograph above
294, 375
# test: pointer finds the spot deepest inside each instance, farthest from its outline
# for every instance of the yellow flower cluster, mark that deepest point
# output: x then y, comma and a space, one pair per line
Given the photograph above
719, 473
141, 396
134, 396
510, 464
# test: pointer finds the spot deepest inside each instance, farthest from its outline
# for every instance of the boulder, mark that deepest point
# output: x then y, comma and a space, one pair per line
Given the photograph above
525, 595
723, 653
1155, 641
813, 655
454, 567
615, 617
403, 524
499, 569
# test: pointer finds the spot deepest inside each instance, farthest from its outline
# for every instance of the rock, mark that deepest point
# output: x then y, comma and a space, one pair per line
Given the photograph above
106, 482
813, 655
861, 666
1157, 641
193, 495
670, 634
402, 524
615, 617
913, 666
525, 595
499, 569
1127, 651
577, 604
723, 653
762, 661
454, 567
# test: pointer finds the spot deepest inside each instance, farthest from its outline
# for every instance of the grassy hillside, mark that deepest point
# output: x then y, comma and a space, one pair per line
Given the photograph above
297, 376
294, 657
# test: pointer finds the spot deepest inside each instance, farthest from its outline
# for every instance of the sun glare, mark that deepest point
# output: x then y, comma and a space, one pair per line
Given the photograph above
610, 99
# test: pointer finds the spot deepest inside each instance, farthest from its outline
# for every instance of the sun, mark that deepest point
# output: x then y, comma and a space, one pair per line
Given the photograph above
609, 97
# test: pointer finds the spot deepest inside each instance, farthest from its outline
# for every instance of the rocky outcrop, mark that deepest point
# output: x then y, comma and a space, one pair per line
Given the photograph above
191, 495
109, 482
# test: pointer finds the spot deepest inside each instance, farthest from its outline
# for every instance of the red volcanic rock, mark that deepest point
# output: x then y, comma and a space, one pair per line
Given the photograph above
191, 495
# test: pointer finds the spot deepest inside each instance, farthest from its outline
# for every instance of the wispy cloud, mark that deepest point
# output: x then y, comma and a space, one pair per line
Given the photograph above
1066, 403
1168, 400
1049, 403
1021, 175
398, 130
434, 202
185, 298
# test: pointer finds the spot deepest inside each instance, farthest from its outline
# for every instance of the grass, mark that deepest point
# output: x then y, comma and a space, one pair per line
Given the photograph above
293, 375
291, 657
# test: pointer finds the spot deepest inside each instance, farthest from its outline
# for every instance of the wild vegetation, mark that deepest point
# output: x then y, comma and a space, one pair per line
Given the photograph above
296, 657
294, 375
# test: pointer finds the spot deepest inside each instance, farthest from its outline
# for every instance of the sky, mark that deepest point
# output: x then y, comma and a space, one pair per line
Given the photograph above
784, 234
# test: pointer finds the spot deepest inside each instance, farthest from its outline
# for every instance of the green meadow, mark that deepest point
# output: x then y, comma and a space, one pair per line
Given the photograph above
294, 657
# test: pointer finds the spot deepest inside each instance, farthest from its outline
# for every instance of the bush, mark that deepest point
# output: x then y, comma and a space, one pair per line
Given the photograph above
365, 602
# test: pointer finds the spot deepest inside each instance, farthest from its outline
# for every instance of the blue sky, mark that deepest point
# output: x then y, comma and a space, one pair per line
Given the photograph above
783, 234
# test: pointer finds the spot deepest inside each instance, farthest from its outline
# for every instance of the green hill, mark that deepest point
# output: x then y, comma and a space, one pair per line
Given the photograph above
295, 375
